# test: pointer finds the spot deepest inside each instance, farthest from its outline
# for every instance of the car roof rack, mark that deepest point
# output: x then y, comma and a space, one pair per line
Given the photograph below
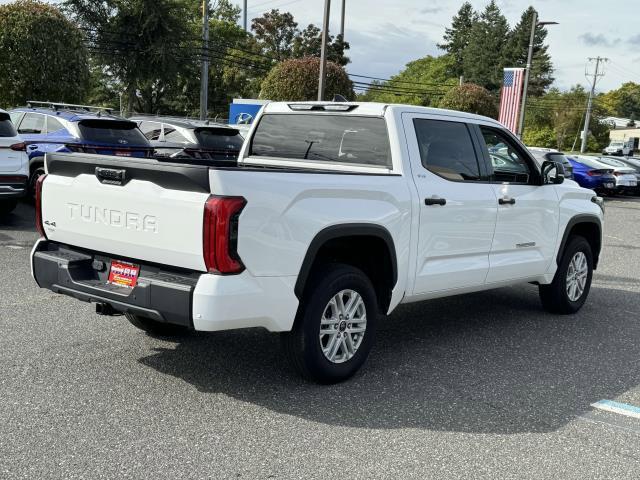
69, 106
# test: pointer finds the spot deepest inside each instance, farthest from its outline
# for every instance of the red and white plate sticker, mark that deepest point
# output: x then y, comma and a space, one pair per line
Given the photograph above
124, 274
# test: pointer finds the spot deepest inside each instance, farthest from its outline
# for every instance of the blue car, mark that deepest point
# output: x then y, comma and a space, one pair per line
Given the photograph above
594, 175
59, 127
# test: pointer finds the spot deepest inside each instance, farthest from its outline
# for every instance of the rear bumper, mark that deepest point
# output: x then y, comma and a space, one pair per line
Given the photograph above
161, 294
13, 187
204, 302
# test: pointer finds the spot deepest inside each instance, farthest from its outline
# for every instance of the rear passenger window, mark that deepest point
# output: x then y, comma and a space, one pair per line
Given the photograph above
32, 123
323, 138
174, 136
446, 149
53, 125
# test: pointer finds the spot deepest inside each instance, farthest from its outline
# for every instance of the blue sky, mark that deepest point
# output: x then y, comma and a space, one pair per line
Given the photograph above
386, 34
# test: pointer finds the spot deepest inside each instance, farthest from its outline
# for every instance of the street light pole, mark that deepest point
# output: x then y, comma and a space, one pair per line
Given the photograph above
204, 74
323, 54
344, 8
534, 24
244, 12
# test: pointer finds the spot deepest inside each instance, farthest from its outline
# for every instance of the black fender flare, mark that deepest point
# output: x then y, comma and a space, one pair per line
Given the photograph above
344, 230
577, 220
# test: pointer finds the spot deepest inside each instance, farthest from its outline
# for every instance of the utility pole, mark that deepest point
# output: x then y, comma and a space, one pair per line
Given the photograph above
534, 24
204, 75
244, 11
596, 74
344, 8
323, 54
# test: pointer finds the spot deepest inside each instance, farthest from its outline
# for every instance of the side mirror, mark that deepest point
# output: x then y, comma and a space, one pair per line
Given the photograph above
552, 173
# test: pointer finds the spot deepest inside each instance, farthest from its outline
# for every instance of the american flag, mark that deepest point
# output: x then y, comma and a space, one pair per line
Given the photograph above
510, 98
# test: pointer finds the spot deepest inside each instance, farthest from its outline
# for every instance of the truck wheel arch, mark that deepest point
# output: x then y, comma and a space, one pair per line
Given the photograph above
588, 226
353, 232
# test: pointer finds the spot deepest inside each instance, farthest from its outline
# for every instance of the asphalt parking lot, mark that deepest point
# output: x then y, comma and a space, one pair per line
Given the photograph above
479, 386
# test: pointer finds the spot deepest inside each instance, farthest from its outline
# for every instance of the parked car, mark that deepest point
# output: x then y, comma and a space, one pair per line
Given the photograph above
14, 165
543, 154
335, 214
623, 162
60, 127
191, 139
614, 148
590, 172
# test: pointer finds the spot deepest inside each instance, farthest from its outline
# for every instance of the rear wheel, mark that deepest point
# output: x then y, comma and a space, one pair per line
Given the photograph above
155, 328
334, 329
572, 282
7, 206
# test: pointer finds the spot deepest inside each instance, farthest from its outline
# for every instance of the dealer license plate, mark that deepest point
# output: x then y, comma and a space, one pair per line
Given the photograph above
123, 274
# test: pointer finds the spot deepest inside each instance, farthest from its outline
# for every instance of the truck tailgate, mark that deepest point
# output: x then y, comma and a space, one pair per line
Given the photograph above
138, 209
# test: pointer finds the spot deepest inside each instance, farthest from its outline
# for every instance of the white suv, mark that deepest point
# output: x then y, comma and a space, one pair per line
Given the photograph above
14, 165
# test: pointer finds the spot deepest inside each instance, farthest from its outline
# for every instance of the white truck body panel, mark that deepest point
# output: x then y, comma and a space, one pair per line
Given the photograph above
139, 220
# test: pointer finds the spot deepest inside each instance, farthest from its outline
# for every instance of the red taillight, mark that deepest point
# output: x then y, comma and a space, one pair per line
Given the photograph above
19, 147
221, 234
39, 225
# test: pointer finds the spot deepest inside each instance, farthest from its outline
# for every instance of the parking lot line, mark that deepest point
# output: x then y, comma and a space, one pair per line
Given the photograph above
617, 407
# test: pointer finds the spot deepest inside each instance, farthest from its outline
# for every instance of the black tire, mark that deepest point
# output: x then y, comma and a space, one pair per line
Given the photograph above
302, 345
7, 206
155, 328
554, 296
38, 171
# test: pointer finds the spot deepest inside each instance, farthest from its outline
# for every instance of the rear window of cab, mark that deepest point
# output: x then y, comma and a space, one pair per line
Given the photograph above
345, 139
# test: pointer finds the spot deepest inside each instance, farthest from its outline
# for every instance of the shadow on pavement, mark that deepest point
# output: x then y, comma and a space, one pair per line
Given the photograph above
492, 362
21, 219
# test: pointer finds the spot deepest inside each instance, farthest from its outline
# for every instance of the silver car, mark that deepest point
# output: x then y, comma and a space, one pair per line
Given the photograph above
191, 139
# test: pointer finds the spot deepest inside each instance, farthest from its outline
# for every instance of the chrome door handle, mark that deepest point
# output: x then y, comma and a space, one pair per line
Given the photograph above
435, 201
506, 200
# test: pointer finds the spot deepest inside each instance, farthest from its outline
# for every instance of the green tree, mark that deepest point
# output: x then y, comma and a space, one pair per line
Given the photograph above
43, 55
139, 41
517, 51
470, 98
297, 79
308, 43
623, 102
563, 113
484, 57
275, 33
540, 137
456, 38
422, 82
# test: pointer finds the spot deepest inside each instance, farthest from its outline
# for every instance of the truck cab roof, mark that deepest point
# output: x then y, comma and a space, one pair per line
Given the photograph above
369, 109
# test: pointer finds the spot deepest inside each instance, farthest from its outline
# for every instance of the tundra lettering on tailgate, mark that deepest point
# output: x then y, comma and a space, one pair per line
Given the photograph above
113, 218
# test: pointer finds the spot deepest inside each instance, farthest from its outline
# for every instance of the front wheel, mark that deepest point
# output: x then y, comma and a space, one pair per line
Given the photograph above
334, 329
572, 282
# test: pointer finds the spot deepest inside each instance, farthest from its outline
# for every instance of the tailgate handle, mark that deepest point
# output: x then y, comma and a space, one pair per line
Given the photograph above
111, 176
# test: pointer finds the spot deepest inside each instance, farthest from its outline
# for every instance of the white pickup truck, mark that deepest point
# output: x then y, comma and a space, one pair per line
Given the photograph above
335, 214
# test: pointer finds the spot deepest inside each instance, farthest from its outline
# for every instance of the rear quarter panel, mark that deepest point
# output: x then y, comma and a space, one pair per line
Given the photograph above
286, 210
